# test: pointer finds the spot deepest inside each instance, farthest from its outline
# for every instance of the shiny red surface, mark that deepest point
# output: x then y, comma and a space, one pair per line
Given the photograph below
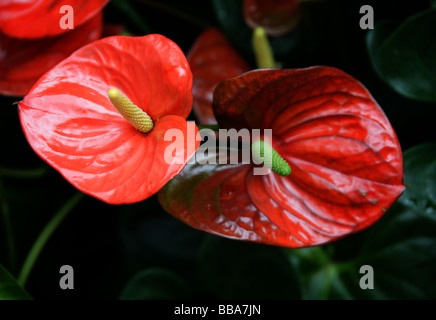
346, 161
70, 122
276, 16
24, 61
32, 19
212, 60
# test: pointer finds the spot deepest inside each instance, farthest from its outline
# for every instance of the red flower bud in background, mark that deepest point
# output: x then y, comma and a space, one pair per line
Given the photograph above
346, 161
32, 40
276, 16
24, 61
212, 60
69, 119
37, 19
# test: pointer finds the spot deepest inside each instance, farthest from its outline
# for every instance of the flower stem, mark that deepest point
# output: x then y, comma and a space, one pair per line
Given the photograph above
8, 228
43, 237
262, 49
23, 173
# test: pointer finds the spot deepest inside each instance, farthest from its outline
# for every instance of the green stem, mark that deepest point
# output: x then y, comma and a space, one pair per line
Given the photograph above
45, 235
132, 13
262, 49
213, 127
8, 228
326, 288
23, 173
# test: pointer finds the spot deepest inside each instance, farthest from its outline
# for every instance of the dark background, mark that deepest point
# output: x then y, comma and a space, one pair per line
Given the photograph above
106, 245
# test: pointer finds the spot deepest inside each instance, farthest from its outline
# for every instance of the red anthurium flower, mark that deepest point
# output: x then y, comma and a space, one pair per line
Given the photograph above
23, 62
212, 60
40, 18
70, 116
345, 160
276, 16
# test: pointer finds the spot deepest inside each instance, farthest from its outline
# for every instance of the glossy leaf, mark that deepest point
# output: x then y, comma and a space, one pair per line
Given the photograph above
322, 278
70, 122
44, 16
404, 58
400, 249
9, 287
155, 284
346, 161
247, 271
420, 176
23, 61
212, 60
276, 17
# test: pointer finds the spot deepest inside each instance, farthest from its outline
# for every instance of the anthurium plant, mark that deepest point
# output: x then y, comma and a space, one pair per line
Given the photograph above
234, 149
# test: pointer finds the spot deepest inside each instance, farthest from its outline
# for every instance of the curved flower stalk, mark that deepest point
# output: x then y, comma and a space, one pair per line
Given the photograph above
276, 16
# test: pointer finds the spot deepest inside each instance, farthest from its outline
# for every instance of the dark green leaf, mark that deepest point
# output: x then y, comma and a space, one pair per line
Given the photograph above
405, 57
401, 249
420, 175
322, 277
155, 284
9, 288
241, 270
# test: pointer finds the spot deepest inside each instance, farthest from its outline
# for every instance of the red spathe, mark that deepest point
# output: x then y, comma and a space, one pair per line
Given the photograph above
70, 122
31, 19
347, 166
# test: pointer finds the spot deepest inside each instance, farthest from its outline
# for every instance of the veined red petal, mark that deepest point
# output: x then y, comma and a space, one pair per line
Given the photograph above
70, 122
43, 16
346, 161
23, 61
212, 59
216, 199
275, 16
